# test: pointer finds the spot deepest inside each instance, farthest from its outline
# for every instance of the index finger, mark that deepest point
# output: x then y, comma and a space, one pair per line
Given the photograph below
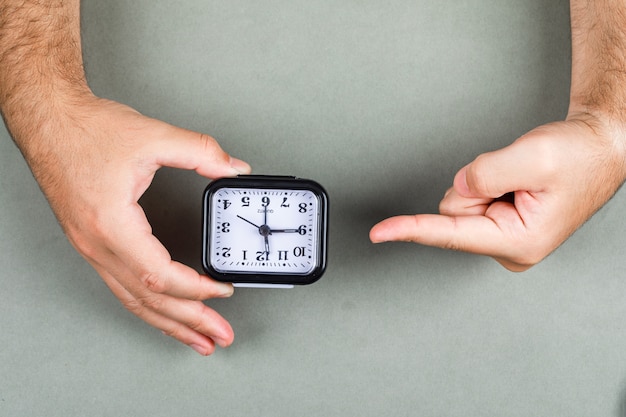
474, 234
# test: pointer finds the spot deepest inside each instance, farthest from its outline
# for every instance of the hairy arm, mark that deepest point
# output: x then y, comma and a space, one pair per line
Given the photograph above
94, 158
559, 174
599, 58
40, 62
41, 80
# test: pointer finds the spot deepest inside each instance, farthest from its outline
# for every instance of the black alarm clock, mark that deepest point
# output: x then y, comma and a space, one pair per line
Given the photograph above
265, 231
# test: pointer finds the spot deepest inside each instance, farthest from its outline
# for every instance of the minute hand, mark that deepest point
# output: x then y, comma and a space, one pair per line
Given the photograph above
248, 221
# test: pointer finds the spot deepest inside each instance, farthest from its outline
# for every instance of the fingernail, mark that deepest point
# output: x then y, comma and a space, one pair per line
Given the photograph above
221, 342
375, 239
460, 183
226, 290
200, 349
240, 166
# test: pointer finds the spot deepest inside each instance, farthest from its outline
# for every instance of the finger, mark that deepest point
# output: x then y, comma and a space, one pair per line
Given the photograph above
474, 234
142, 301
185, 149
159, 274
453, 204
524, 165
126, 243
201, 343
193, 314
178, 280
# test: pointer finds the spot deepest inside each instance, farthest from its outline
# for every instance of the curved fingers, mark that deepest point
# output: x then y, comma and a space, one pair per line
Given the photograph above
190, 322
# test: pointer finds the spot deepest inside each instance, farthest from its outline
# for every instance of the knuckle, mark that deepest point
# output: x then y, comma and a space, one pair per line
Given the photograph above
96, 236
150, 302
207, 141
452, 241
198, 321
173, 332
153, 282
83, 245
90, 236
412, 235
139, 304
133, 305
98, 224
211, 147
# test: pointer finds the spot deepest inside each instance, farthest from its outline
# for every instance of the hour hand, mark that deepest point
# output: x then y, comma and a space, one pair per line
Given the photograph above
301, 230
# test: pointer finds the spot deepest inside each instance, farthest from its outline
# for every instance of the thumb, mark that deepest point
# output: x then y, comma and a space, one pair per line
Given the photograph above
520, 166
185, 149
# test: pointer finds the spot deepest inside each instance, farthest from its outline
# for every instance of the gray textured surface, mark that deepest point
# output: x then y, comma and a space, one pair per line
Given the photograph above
381, 102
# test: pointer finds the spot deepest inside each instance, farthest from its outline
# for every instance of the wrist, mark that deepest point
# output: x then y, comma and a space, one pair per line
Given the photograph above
38, 115
607, 133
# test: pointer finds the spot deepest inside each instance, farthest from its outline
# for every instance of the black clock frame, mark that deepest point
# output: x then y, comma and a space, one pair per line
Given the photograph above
267, 182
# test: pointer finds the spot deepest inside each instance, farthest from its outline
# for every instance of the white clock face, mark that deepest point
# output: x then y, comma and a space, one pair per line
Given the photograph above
270, 231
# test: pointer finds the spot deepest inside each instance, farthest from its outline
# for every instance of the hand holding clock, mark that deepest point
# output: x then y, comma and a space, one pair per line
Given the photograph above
94, 176
94, 158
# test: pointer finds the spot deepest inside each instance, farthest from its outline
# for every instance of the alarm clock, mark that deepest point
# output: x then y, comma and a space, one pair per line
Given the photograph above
265, 231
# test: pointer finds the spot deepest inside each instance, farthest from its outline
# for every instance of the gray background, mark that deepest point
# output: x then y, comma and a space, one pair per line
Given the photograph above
381, 102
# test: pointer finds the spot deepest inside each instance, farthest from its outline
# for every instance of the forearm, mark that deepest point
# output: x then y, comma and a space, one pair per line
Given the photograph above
599, 58
41, 64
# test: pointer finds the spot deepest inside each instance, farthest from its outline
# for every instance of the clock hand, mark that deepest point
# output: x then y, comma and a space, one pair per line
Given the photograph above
263, 231
246, 220
300, 230
266, 231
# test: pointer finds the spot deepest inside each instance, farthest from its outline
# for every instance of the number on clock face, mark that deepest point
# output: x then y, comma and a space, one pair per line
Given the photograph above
264, 230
